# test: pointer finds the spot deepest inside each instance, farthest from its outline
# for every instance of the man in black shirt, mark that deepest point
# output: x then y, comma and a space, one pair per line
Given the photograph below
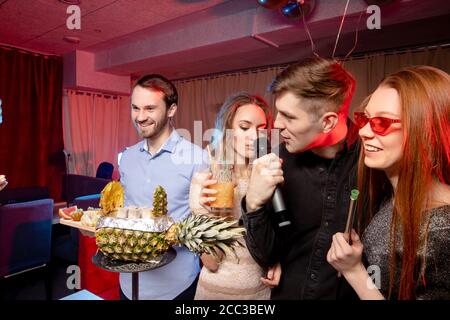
315, 170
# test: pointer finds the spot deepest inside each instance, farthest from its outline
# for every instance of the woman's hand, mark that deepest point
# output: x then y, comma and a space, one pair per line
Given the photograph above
3, 182
210, 262
206, 193
344, 257
195, 192
273, 276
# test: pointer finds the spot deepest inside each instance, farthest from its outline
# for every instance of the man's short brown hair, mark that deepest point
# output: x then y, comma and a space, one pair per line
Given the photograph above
321, 84
159, 83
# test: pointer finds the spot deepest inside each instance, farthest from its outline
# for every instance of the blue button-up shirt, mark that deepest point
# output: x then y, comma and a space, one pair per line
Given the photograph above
172, 167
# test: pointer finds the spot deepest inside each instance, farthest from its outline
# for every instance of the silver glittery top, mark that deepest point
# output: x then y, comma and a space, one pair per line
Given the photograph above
434, 282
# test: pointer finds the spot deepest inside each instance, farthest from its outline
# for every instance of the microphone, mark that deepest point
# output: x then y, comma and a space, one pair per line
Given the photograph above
279, 207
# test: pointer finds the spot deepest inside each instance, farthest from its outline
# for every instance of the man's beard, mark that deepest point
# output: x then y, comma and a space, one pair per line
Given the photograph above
155, 131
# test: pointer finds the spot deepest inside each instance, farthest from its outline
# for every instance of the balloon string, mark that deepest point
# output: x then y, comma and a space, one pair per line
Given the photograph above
340, 29
313, 47
356, 37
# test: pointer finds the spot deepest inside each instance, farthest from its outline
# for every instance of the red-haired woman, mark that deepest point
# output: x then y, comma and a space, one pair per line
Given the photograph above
404, 173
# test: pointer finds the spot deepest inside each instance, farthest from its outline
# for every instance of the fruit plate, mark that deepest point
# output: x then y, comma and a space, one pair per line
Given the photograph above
104, 262
77, 224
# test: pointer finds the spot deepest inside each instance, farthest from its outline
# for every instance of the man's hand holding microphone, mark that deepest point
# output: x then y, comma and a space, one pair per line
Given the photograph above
266, 175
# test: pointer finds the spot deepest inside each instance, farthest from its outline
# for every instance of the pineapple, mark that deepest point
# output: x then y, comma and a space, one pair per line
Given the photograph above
143, 240
112, 197
159, 202
202, 233
131, 245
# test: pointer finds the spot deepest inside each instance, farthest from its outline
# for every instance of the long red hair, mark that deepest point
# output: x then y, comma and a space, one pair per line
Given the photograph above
425, 106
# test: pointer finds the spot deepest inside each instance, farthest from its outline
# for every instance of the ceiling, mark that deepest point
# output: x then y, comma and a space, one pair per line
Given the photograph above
186, 38
41, 24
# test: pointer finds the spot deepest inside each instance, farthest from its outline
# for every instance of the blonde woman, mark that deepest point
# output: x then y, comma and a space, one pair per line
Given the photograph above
227, 277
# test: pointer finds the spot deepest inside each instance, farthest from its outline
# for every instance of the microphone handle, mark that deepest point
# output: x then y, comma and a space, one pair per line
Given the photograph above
280, 209
262, 147
278, 201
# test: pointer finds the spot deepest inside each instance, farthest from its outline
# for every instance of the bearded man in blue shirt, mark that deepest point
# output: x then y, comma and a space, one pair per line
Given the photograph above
162, 158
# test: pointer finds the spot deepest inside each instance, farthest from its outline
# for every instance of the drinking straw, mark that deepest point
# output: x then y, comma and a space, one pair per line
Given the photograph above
351, 214
209, 153
350, 217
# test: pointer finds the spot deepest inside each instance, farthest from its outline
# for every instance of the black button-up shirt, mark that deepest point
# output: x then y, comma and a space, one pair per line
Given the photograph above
317, 196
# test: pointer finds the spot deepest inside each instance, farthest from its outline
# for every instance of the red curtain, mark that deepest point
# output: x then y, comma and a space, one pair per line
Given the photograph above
97, 127
31, 135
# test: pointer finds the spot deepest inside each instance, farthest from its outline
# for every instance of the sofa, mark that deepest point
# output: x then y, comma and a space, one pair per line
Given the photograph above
74, 186
18, 195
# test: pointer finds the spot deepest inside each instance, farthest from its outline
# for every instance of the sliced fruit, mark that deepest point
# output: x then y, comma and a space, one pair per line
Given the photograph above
112, 197
90, 218
76, 215
65, 213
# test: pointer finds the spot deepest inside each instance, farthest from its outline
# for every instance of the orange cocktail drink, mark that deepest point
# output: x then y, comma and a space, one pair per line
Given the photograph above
224, 196
224, 175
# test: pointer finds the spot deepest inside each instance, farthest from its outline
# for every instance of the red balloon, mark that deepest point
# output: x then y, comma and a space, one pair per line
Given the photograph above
270, 4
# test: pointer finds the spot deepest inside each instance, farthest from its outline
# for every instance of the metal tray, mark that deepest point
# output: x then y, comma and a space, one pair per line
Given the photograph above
104, 262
